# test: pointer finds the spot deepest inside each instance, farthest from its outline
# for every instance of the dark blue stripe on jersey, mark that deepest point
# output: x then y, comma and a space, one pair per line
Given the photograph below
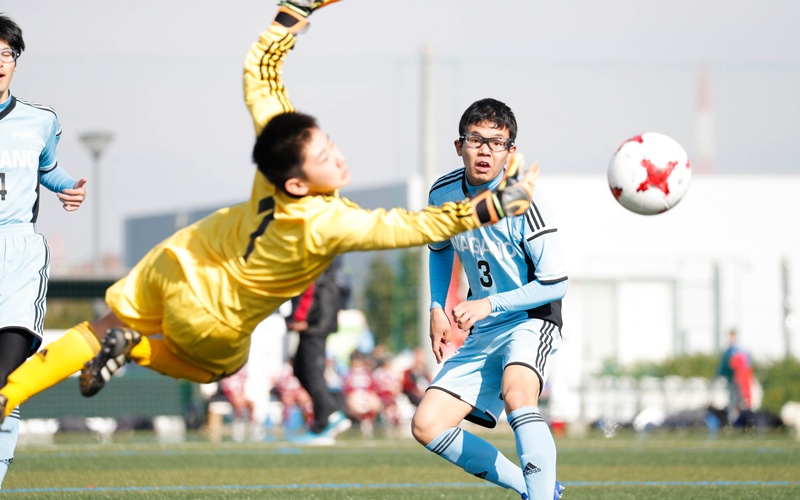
532, 220
528, 263
548, 312
464, 187
447, 179
529, 219
9, 108
536, 209
550, 282
439, 249
49, 169
35, 208
536, 235
43, 107
443, 184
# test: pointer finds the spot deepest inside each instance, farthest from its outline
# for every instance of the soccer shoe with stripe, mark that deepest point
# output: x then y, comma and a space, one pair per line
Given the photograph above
293, 14
559, 490
556, 494
115, 351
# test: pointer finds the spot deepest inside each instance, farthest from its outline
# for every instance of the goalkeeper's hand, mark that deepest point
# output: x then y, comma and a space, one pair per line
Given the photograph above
293, 14
511, 197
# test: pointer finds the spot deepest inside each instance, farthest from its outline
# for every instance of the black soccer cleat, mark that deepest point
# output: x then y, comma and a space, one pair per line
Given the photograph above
115, 351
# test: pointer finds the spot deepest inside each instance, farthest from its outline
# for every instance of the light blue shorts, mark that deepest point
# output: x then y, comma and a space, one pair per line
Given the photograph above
475, 372
24, 271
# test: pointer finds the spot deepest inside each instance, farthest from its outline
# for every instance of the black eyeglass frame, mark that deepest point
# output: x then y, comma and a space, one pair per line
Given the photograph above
484, 140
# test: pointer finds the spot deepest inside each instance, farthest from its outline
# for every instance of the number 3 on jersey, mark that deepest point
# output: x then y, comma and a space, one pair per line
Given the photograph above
3, 191
265, 205
486, 279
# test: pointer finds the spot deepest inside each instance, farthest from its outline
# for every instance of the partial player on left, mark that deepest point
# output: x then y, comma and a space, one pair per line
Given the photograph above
29, 135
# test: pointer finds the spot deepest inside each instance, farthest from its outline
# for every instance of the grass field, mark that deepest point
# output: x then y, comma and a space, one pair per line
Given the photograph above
625, 467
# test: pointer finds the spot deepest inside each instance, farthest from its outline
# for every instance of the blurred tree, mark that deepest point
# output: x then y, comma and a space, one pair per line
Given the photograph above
66, 313
780, 381
391, 299
378, 299
407, 289
694, 365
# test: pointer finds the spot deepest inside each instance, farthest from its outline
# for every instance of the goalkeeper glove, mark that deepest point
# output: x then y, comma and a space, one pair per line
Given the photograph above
511, 197
293, 14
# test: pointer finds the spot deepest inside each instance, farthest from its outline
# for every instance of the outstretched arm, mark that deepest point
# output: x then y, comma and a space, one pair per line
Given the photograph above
264, 92
351, 228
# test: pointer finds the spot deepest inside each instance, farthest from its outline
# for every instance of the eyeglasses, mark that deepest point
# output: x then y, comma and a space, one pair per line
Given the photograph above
8, 55
495, 143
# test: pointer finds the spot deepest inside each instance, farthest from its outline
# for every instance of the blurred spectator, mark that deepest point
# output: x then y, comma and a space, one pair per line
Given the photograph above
291, 393
736, 367
314, 317
233, 388
388, 385
361, 398
416, 379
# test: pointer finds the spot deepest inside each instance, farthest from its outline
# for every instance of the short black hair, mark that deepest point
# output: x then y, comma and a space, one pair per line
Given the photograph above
279, 149
490, 110
11, 33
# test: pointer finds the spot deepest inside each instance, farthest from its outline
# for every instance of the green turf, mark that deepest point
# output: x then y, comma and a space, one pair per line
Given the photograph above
132, 461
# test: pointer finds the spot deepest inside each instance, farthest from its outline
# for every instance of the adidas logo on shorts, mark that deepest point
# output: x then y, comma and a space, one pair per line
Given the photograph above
530, 469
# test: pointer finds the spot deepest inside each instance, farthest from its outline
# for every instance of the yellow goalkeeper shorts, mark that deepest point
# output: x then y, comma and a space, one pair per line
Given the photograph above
156, 298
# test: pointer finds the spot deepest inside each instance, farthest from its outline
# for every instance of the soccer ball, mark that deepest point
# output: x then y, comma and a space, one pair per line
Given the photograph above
649, 174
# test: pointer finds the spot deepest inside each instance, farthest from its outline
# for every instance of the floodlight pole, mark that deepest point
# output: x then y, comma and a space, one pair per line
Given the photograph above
428, 115
788, 318
96, 142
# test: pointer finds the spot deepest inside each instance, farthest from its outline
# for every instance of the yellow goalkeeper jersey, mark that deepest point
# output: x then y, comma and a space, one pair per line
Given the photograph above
243, 261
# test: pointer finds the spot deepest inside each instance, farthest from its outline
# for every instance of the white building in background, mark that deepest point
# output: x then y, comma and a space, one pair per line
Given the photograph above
646, 288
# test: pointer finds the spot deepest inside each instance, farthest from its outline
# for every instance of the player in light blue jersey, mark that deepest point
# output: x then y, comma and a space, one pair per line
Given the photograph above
29, 134
517, 279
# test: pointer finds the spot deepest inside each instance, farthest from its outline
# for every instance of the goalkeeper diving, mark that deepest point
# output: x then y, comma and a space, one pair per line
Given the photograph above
206, 287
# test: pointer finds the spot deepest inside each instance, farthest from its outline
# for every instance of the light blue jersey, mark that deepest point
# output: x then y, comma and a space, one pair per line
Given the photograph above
29, 135
516, 264
501, 259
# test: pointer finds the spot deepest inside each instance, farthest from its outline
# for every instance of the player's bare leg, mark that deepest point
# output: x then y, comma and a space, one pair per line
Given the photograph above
435, 426
535, 445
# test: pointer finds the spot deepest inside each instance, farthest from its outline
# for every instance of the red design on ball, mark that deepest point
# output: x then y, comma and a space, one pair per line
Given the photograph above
657, 177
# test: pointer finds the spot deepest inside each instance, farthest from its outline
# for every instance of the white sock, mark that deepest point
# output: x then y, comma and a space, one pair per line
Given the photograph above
536, 450
478, 457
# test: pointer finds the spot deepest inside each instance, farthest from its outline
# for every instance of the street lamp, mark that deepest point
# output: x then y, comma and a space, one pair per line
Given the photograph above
96, 142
